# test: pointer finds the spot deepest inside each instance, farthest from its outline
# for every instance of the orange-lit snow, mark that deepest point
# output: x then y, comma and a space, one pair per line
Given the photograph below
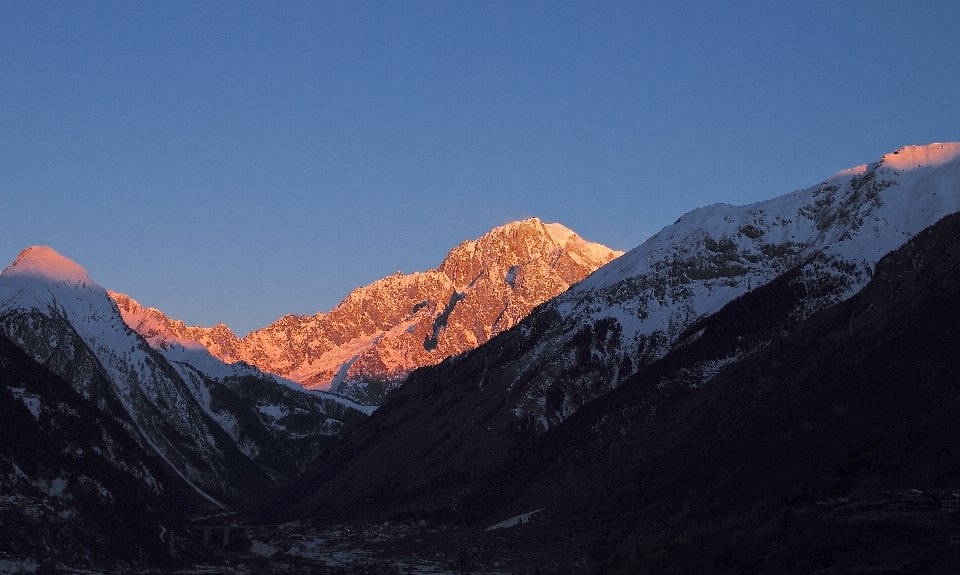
378, 331
44, 262
930, 156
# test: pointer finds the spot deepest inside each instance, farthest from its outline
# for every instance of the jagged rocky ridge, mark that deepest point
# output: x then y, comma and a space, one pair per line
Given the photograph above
453, 425
383, 331
227, 432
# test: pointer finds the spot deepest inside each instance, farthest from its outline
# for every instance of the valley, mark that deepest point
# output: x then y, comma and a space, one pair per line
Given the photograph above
768, 388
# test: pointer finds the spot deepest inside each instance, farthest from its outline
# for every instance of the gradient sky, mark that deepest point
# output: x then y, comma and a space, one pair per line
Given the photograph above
233, 162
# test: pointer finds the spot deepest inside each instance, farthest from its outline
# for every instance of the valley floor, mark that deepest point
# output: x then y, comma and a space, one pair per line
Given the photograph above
903, 532
392, 547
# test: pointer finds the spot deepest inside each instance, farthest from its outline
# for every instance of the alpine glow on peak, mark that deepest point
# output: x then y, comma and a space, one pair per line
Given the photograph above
383, 331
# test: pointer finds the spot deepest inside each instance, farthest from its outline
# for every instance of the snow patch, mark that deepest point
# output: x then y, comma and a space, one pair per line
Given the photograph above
56, 487
511, 275
513, 521
273, 411
18, 566
32, 402
262, 549
342, 372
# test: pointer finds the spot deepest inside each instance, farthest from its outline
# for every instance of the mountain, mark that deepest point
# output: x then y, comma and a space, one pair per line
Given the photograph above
380, 333
835, 232
830, 450
75, 486
454, 425
226, 432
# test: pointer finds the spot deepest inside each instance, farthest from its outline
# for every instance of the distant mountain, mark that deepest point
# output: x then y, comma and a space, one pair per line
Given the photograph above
227, 432
452, 427
75, 486
382, 332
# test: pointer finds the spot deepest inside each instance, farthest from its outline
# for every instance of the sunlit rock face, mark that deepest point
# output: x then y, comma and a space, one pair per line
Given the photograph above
383, 331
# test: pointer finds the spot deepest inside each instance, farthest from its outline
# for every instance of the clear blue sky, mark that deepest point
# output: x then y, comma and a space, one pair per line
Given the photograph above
234, 162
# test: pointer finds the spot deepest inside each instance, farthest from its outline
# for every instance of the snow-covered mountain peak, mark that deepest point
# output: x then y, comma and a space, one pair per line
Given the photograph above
890, 199
166, 396
519, 244
44, 263
381, 332
41, 279
833, 233
632, 310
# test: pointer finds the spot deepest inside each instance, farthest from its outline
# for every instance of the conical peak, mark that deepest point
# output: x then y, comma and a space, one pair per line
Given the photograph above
44, 262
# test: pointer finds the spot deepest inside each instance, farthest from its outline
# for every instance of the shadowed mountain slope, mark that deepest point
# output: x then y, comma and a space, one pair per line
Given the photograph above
452, 426
74, 486
229, 432
793, 459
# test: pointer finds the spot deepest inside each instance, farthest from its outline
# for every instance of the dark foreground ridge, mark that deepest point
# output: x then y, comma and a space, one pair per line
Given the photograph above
831, 448
76, 488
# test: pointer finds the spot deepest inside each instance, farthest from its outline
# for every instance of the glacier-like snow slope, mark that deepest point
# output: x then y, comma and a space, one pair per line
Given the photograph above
189, 352
836, 231
182, 403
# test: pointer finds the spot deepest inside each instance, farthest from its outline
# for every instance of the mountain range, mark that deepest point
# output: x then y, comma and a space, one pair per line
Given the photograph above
702, 298
225, 432
483, 407
191, 433
752, 389
381, 332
